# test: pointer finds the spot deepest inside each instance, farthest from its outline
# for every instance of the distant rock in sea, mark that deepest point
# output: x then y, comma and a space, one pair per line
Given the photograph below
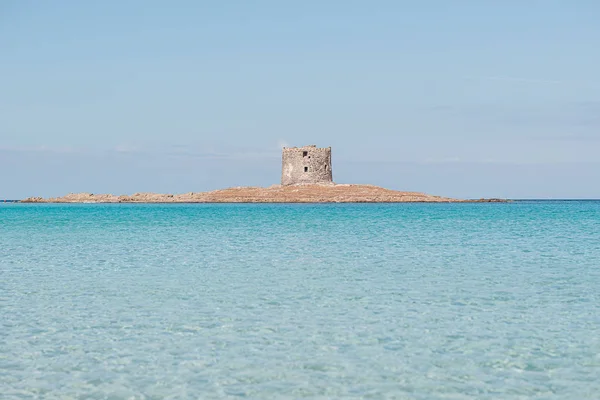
310, 193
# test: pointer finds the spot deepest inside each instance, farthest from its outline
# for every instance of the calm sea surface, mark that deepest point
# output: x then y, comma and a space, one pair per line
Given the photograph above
406, 301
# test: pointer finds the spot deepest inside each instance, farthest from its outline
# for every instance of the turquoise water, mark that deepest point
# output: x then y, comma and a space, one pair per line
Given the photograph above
406, 301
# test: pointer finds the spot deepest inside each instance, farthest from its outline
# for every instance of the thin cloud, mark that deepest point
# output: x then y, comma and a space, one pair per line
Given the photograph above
569, 138
516, 79
123, 148
445, 160
135, 151
180, 151
566, 119
42, 149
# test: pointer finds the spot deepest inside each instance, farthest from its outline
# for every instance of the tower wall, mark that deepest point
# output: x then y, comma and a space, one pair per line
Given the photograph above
306, 165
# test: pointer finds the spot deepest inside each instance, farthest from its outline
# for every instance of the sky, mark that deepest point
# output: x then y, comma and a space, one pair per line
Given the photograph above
462, 98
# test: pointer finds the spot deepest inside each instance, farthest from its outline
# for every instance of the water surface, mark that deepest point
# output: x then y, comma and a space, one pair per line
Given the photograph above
414, 301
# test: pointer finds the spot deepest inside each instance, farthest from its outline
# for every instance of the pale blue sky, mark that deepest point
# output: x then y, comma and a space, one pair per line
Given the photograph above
459, 98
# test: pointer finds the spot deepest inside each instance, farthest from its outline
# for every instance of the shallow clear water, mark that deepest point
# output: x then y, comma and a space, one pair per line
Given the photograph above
415, 301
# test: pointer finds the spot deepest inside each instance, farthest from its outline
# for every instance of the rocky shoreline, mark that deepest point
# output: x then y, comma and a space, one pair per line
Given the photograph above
330, 193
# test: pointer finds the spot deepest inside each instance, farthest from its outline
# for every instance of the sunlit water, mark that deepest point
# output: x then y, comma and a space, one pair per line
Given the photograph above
414, 301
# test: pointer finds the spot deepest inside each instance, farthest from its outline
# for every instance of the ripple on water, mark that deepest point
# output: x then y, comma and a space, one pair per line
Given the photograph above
417, 301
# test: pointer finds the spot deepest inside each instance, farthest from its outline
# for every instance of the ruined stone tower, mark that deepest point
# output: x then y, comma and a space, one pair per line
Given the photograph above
307, 165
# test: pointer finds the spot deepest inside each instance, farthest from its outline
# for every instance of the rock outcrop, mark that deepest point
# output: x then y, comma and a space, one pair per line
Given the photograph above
328, 193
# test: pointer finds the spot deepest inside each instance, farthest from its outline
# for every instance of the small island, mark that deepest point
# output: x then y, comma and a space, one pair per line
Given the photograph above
306, 177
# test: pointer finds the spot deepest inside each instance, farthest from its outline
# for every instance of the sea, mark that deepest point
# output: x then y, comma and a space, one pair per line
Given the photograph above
290, 301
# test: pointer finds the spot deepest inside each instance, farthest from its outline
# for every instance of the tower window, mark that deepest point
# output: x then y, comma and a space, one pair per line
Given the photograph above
305, 169
304, 153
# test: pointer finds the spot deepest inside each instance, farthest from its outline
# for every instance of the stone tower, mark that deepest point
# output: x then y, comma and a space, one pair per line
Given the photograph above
307, 165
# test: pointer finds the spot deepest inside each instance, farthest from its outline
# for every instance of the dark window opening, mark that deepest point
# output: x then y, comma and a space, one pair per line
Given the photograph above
304, 153
305, 169
326, 167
